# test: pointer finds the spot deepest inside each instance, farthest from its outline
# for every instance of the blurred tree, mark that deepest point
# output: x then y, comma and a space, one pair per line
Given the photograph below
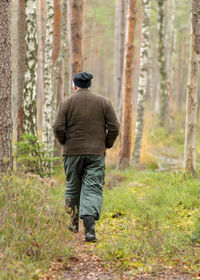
5, 88
170, 66
142, 88
191, 102
30, 95
126, 133
75, 19
119, 53
164, 97
18, 63
41, 27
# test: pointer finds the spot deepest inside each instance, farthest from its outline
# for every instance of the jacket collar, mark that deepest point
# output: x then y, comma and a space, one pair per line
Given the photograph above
83, 89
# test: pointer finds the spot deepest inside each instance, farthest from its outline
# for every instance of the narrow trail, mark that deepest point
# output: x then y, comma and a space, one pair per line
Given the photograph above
85, 265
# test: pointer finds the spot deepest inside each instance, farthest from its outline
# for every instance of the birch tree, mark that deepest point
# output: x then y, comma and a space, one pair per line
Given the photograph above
30, 79
164, 98
142, 88
50, 99
192, 101
126, 133
5, 88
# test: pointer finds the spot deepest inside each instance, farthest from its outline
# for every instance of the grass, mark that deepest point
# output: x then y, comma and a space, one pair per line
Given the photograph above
151, 219
33, 226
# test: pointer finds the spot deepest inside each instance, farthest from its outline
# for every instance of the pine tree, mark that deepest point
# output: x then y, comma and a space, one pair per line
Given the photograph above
5, 88
126, 133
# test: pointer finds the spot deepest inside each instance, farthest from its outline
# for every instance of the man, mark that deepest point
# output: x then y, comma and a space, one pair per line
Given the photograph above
85, 125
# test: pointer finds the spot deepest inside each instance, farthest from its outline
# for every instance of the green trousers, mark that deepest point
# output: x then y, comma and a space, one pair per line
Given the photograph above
85, 179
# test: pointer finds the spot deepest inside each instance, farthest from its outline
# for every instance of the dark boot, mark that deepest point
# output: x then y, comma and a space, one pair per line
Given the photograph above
89, 224
74, 225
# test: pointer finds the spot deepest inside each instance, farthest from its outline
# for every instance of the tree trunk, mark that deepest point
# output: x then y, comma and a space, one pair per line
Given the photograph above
59, 52
5, 88
170, 66
144, 63
119, 53
69, 43
191, 102
76, 35
50, 98
126, 133
164, 98
41, 62
18, 63
30, 96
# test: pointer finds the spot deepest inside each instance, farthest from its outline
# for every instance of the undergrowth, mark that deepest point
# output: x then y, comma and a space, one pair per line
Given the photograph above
151, 219
33, 226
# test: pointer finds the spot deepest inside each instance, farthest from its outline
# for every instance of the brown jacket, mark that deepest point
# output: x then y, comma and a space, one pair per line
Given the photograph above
86, 124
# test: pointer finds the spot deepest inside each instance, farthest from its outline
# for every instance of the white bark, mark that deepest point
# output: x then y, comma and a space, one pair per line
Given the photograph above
50, 98
192, 101
144, 64
30, 96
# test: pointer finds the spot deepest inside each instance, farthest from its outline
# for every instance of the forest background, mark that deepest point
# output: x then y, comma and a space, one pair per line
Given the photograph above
144, 57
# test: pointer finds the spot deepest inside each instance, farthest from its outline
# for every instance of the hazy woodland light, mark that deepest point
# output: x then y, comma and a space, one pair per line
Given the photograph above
30, 79
192, 101
50, 99
6, 127
126, 131
142, 88
164, 97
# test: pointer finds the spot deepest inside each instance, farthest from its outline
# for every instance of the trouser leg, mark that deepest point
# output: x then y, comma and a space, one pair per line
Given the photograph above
92, 186
73, 169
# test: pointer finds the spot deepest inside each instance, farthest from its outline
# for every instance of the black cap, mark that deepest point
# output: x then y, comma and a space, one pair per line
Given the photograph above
83, 79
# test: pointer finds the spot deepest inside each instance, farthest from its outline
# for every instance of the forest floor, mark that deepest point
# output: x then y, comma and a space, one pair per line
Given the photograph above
86, 265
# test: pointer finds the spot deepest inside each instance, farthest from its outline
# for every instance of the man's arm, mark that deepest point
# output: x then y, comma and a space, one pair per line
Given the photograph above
112, 125
59, 126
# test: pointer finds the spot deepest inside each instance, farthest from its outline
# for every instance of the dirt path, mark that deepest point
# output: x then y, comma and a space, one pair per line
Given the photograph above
85, 265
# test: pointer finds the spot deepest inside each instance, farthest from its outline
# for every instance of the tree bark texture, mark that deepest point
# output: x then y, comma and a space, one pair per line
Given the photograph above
76, 35
59, 53
69, 43
41, 62
191, 101
119, 54
50, 98
164, 98
30, 96
196, 24
144, 64
18, 63
126, 133
6, 127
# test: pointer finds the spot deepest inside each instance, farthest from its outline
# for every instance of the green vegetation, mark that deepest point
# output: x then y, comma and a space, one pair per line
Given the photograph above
33, 226
150, 219
31, 156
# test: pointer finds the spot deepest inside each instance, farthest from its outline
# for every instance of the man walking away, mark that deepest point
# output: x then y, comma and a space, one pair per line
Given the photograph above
85, 125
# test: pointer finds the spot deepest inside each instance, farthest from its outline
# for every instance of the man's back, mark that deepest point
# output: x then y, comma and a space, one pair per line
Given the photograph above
83, 120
